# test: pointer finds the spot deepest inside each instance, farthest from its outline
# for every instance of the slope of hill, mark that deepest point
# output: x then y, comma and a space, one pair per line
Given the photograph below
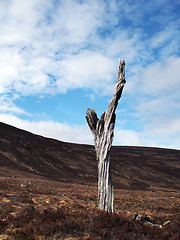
60, 201
141, 168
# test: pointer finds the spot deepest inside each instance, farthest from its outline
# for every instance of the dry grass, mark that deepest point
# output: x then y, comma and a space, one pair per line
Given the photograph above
57, 210
58, 206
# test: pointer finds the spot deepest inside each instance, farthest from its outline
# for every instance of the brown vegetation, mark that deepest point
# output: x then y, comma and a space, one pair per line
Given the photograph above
60, 206
61, 210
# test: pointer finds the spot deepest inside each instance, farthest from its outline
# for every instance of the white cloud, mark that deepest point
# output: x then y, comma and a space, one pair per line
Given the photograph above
164, 127
156, 97
163, 77
125, 45
69, 133
75, 22
127, 137
40, 37
155, 89
49, 47
7, 106
55, 130
83, 70
19, 20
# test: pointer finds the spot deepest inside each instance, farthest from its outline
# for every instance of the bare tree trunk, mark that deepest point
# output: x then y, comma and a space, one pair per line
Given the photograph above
103, 131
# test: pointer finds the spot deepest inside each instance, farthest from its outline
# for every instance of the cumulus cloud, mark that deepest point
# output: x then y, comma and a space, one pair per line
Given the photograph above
157, 88
156, 105
161, 77
41, 46
7, 105
45, 45
51, 47
127, 137
83, 70
56, 130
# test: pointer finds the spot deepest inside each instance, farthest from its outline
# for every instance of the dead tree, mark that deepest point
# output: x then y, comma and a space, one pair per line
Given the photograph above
103, 131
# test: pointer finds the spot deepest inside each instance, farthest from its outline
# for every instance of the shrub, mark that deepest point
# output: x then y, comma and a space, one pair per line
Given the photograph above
94, 224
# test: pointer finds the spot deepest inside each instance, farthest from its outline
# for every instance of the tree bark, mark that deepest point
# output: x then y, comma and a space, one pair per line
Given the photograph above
103, 131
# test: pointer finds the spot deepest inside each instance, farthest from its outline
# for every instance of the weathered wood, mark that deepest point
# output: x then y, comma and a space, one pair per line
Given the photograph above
103, 131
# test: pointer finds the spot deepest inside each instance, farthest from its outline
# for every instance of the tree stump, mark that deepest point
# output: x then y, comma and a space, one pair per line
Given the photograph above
103, 131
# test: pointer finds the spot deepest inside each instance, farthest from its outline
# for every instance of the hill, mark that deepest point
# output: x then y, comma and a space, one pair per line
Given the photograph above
145, 168
48, 190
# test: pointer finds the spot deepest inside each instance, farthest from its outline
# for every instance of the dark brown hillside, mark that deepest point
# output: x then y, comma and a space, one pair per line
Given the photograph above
23, 153
60, 201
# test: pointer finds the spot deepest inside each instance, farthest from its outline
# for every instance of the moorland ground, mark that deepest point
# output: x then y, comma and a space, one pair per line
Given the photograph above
60, 201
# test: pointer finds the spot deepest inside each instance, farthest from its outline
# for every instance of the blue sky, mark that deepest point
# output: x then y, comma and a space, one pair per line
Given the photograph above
60, 57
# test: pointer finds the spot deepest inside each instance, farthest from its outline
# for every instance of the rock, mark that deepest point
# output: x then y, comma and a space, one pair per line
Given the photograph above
24, 185
134, 216
167, 222
146, 220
